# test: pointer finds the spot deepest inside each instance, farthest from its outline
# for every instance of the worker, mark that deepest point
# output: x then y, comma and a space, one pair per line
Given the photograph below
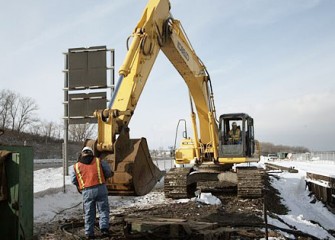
234, 134
89, 175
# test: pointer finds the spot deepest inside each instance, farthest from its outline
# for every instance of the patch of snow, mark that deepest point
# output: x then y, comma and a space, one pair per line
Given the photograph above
302, 213
207, 198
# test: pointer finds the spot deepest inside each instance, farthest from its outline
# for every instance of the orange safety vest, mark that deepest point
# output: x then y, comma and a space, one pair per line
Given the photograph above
89, 175
235, 135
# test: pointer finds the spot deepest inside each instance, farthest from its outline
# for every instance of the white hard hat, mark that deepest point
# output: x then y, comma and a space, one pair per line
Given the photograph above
87, 149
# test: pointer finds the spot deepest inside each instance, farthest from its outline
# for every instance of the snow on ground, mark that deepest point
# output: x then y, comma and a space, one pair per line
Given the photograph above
304, 215
52, 204
49, 198
326, 168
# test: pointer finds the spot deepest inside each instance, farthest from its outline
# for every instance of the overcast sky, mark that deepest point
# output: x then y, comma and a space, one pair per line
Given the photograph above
274, 60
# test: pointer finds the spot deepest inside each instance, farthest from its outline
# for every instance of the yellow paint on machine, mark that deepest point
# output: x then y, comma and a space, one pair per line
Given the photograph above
234, 160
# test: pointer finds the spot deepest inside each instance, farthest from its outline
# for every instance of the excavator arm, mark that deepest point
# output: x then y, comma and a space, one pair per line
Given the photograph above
179, 51
133, 73
156, 31
134, 173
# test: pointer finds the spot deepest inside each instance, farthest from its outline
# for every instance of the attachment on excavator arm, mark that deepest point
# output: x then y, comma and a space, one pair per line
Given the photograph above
134, 173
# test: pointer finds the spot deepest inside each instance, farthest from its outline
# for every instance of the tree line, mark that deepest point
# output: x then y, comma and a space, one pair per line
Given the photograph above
19, 113
267, 148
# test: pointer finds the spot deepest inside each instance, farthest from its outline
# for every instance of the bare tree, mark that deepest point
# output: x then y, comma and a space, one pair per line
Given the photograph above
16, 111
14, 106
58, 131
26, 112
80, 132
35, 128
47, 129
4, 107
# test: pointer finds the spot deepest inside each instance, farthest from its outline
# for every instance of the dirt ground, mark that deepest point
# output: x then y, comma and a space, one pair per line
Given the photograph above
234, 219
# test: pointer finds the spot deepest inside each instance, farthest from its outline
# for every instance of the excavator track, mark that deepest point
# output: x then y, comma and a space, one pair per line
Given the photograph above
250, 182
175, 184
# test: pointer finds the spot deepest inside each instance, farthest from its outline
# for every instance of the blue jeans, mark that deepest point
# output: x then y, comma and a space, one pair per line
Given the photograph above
96, 197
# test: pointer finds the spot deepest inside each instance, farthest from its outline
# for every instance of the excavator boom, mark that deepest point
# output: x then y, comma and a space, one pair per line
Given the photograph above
134, 171
130, 160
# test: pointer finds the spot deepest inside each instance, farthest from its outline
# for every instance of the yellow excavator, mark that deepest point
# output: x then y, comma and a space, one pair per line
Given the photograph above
210, 155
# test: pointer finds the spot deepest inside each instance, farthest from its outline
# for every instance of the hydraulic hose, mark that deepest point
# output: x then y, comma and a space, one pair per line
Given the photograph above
121, 77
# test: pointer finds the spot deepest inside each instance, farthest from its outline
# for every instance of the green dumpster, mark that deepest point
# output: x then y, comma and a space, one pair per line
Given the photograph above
16, 195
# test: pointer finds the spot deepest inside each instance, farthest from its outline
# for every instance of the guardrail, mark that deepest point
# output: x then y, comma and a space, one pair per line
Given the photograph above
270, 166
322, 186
315, 156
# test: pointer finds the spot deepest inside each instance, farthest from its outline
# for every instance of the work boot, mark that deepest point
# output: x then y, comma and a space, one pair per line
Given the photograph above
105, 232
90, 237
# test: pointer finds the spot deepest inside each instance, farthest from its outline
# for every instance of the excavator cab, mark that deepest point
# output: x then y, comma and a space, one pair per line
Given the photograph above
236, 135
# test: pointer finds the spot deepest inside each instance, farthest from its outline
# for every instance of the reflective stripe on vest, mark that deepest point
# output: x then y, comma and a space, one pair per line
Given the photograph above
79, 177
89, 175
99, 170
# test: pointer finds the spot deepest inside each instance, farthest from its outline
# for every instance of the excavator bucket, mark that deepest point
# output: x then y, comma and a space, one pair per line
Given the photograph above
134, 173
